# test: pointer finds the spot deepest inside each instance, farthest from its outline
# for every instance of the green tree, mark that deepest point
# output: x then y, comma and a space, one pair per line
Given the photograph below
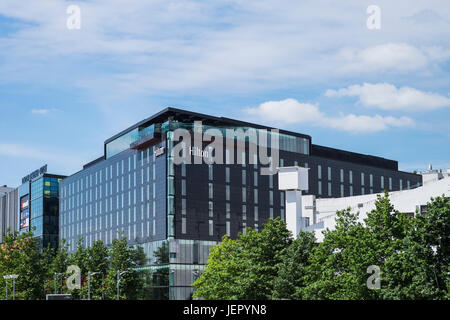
20, 254
124, 258
337, 267
245, 268
59, 261
80, 259
419, 268
292, 268
220, 280
96, 261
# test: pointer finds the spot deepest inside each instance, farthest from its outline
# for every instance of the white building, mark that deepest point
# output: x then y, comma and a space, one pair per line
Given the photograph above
319, 214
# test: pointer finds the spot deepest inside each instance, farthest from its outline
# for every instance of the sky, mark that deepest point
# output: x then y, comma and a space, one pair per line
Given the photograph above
314, 67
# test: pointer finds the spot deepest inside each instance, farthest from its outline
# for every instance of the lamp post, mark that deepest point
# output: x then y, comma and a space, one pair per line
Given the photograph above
89, 283
13, 277
119, 277
56, 274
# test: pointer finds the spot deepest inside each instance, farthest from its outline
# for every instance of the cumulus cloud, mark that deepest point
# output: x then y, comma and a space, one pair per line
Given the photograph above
293, 111
390, 57
288, 111
386, 96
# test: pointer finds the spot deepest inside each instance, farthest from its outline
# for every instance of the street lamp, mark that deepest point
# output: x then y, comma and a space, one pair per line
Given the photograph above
119, 274
14, 277
89, 282
55, 278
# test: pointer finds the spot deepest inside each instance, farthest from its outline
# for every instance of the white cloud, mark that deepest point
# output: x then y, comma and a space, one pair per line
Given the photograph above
385, 57
293, 111
149, 47
40, 111
288, 111
386, 96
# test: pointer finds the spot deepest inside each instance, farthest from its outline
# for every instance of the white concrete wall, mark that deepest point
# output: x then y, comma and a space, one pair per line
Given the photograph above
403, 201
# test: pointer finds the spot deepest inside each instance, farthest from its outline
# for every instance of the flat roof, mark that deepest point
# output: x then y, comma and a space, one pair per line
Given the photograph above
315, 150
189, 117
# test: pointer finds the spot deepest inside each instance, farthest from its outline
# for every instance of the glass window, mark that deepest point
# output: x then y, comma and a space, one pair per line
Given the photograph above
342, 190
319, 188
255, 196
227, 210
329, 173
228, 229
244, 194
183, 187
211, 231
210, 172
183, 169
210, 209
244, 212
390, 183
319, 171
350, 177
210, 189
183, 225
362, 178
329, 189
244, 175
256, 213
227, 175
255, 178
342, 175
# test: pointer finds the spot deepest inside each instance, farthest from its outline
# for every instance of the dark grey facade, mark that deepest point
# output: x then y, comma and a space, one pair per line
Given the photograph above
178, 212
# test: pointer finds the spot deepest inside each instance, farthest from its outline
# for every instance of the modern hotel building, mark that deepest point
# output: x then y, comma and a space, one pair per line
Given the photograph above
178, 212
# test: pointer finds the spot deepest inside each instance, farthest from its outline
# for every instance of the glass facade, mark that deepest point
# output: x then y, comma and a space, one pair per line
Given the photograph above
39, 209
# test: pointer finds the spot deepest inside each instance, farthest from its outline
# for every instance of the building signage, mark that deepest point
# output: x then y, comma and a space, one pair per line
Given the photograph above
24, 216
159, 151
35, 174
198, 152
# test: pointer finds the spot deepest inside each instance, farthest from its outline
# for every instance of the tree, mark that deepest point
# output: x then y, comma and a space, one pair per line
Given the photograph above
124, 258
96, 261
20, 254
220, 280
419, 268
292, 268
245, 268
80, 259
337, 267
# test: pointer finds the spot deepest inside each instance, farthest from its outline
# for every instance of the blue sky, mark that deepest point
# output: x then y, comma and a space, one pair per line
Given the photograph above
308, 66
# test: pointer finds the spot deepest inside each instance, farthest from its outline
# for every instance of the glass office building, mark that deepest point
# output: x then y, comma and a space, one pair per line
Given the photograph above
38, 208
178, 212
